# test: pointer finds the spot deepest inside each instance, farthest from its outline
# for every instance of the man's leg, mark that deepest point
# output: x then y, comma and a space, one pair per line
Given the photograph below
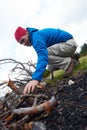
59, 56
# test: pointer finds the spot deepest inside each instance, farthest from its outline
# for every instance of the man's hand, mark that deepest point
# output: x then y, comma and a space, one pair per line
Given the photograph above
30, 86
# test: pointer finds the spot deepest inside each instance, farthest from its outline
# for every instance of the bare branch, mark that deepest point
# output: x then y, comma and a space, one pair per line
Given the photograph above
12, 86
21, 72
46, 106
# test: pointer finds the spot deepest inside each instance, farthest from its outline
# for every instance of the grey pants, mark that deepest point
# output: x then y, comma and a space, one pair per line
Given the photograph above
59, 55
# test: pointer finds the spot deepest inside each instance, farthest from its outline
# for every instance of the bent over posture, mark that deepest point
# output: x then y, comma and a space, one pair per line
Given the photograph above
54, 47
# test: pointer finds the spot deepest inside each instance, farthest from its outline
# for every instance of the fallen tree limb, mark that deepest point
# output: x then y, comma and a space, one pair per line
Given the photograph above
13, 87
46, 106
28, 126
38, 96
20, 124
34, 125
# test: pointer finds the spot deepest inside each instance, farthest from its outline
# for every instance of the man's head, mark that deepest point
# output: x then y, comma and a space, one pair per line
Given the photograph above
21, 35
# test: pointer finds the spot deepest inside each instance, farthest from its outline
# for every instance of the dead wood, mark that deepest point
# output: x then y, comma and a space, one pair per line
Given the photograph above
12, 86
28, 126
2, 126
34, 125
21, 124
46, 106
70, 113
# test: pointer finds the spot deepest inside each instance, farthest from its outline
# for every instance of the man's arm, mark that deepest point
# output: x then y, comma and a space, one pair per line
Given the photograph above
42, 62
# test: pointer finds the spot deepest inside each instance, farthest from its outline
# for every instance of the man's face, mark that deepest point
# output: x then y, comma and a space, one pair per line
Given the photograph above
24, 40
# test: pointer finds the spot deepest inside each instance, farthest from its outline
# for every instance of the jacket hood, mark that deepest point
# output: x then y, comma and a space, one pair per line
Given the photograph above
30, 30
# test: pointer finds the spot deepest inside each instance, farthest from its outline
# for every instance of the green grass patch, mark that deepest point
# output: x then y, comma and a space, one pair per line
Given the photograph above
82, 66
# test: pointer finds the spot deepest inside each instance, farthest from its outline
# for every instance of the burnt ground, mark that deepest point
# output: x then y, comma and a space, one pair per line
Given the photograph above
71, 111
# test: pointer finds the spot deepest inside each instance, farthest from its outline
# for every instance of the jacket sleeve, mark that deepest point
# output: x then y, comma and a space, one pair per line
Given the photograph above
42, 61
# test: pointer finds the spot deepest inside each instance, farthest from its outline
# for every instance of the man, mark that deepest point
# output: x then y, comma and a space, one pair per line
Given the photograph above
54, 47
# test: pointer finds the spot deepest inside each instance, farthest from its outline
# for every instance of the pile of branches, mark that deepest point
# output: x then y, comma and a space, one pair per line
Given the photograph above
19, 72
19, 111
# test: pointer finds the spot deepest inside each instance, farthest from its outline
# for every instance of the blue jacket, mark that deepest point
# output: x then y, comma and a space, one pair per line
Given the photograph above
40, 40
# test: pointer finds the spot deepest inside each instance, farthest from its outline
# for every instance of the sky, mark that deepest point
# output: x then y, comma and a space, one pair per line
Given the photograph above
69, 15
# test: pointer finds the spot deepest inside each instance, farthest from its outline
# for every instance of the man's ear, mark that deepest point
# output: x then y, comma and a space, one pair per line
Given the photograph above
27, 32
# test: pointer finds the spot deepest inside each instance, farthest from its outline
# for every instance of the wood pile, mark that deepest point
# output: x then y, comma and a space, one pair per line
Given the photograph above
62, 106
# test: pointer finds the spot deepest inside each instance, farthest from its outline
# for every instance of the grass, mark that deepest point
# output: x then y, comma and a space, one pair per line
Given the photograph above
83, 64
81, 67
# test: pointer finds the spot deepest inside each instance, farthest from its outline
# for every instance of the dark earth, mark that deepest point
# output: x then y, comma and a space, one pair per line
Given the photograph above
70, 113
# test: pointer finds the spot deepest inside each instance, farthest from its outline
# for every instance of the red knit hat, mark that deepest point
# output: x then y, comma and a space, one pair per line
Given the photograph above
19, 33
